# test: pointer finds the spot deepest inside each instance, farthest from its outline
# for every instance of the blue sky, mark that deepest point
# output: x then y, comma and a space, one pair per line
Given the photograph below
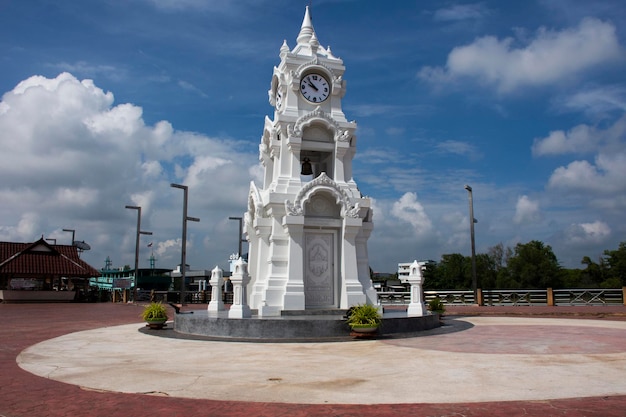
105, 103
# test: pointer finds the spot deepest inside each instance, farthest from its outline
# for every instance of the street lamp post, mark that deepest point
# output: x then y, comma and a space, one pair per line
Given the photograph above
139, 232
472, 221
73, 233
240, 240
183, 251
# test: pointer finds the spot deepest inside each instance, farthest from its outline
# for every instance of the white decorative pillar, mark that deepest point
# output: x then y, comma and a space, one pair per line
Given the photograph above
294, 298
415, 278
216, 281
351, 287
240, 280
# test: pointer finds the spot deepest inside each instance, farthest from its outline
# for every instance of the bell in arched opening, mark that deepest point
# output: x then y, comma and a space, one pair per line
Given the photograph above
307, 169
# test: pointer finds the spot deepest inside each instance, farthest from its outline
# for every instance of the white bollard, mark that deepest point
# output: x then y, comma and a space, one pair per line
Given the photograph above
415, 278
217, 280
240, 279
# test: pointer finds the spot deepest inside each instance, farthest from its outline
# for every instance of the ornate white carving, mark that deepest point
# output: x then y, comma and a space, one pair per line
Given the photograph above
354, 211
296, 208
318, 114
318, 260
293, 209
294, 131
255, 203
343, 136
297, 74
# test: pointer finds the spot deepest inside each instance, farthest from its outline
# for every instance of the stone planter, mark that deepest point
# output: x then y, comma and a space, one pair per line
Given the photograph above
156, 324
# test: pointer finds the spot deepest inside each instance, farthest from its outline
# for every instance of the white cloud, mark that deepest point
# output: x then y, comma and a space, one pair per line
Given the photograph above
460, 12
167, 247
587, 233
606, 176
411, 211
458, 148
91, 70
580, 139
526, 210
551, 57
594, 101
73, 159
185, 85
583, 139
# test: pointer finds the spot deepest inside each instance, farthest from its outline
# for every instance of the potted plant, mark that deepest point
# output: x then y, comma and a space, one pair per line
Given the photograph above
437, 306
155, 314
364, 318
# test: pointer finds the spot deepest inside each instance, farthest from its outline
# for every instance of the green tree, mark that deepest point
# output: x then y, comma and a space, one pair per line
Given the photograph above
534, 265
486, 271
493, 270
616, 260
454, 271
594, 274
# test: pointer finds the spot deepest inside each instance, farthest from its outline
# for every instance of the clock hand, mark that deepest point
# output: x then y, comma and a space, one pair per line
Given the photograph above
312, 85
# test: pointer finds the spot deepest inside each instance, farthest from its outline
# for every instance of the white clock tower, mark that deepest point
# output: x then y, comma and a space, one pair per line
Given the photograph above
308, 224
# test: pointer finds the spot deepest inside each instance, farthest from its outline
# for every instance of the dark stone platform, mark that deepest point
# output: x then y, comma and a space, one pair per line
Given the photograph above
310, 325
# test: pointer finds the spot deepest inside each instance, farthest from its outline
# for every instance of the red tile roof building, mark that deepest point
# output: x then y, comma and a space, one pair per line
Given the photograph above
41, 266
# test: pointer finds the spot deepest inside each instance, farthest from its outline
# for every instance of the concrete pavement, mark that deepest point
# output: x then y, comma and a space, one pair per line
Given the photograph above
473, 366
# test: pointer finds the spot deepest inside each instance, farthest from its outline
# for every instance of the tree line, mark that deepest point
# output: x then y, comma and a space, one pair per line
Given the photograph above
531, 265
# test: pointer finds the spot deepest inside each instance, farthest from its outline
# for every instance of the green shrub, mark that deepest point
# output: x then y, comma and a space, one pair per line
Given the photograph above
154, 311
436, 305
363, 315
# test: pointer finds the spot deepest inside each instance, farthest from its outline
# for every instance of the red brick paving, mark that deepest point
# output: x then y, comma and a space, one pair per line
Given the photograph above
25, 395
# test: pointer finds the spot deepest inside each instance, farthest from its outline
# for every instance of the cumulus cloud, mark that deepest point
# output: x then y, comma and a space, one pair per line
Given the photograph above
551, 57
411, 211
583, 139
526, 210
72, 158
580, 139
587, 233
606, 175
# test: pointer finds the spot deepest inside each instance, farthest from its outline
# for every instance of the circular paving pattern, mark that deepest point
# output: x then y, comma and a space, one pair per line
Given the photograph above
525, 339
477, 359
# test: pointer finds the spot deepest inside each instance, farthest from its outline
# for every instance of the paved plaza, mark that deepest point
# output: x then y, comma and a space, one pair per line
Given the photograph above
97, 359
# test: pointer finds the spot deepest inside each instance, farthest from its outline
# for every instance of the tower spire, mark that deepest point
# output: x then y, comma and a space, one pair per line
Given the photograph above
306, 31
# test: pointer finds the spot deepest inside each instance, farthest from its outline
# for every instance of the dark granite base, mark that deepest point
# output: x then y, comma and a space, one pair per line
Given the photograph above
313, 327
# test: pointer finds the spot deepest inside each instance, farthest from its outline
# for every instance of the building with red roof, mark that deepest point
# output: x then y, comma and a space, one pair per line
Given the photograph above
39, 271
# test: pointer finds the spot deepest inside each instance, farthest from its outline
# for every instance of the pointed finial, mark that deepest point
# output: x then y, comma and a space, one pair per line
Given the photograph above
306, 31
315, 44
284, 49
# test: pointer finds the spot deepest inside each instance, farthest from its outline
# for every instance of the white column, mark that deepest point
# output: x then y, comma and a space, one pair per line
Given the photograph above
351, 288
294, 290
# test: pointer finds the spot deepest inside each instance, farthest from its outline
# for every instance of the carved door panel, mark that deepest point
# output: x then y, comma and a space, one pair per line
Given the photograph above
319, 270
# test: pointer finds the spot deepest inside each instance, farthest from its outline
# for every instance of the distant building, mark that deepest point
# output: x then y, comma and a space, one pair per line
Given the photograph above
152, 278
41, 271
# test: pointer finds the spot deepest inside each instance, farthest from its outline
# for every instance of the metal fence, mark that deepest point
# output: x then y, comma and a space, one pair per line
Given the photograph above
598, 296
191, 297
573, 297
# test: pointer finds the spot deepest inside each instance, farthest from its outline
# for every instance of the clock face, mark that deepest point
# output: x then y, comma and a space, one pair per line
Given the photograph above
314, 88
